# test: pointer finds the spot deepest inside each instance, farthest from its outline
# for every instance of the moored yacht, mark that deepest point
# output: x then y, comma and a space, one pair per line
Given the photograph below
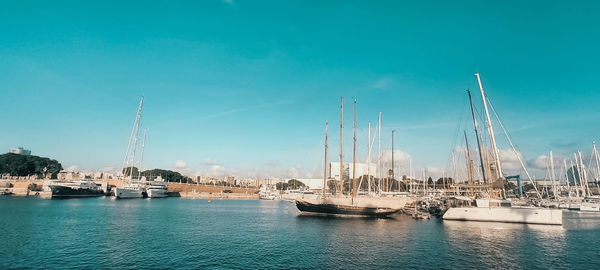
77, 189
130, 191
268, 193
495, 210
157, 191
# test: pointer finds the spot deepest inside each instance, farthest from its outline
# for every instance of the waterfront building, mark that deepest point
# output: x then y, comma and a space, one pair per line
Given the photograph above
20, 151
314, 184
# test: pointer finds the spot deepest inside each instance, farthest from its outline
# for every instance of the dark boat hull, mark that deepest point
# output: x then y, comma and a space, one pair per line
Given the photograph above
334, 209
60, 192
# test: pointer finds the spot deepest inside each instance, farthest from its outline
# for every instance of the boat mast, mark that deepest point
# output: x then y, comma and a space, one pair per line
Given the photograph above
393, 172
325, 163
142, 155
496, 158
586, 187
477, 136
341, 147
379, 168
553, 175
597, 163
369, 161
129, 161
567, 178
470, 171
573, 174
354, 157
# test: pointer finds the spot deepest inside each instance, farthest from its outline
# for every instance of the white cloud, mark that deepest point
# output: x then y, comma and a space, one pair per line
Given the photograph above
541, 162
400, 156
181, 166
230, 3
72, 168
383, 83
509, 160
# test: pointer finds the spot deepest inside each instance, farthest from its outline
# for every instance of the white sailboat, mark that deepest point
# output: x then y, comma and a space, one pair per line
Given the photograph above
132, 188
497, 210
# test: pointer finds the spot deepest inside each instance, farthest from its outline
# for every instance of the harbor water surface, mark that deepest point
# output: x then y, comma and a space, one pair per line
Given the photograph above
101, 233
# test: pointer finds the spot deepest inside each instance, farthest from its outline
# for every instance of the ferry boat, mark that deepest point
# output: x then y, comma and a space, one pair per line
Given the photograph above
157, 191
496, 210
77, 189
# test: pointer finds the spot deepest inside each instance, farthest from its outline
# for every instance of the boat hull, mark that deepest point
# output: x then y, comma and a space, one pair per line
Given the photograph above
126, 193
157, 193
589, 207
335, 209
506, 214
63, 192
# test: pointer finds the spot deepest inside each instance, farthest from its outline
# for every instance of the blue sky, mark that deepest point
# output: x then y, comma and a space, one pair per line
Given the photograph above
244, 87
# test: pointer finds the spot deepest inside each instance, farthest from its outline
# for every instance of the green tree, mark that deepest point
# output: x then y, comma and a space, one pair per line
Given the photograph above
167, 175
25, 165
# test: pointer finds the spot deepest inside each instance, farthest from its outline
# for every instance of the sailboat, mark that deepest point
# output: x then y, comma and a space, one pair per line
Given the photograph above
496, 209
132, 188
342, 204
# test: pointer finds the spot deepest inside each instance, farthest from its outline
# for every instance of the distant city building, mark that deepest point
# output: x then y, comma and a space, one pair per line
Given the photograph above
20, 151
361, 169
231, 180
248, 182
271, 181
314, 183
67, 175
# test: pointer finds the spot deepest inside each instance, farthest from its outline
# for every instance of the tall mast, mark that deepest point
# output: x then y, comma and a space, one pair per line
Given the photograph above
354, 157
573, 174
129, 161
597, 163
369, 161
498, 170
341, 147
142, 155
478, 140
552, 174
410, 178
567, 177
379, 168
470, 170
586, 188
325, 163
393, 171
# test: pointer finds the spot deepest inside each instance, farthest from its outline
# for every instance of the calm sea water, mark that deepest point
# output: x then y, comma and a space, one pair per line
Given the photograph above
191, 234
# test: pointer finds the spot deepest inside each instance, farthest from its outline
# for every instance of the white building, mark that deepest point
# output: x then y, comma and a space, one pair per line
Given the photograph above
313, 183
20, 151
271, 181
361, 169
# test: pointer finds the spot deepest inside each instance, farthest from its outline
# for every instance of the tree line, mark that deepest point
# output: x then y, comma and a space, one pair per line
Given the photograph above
25, 165
166, 175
